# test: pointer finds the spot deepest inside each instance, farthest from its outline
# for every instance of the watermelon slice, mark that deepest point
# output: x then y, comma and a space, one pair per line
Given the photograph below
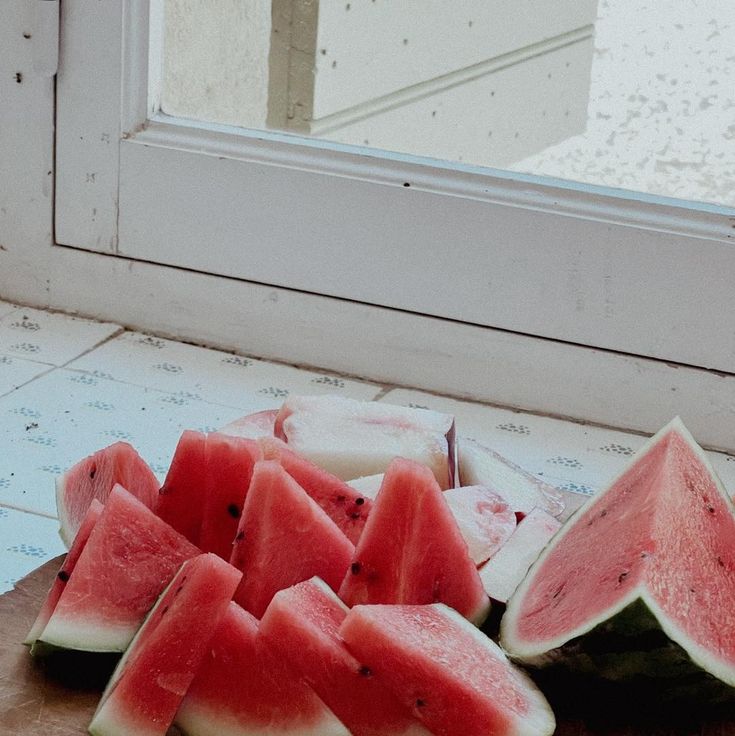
229, 465
503, 572
353, 438
242, 688
130, 557
485, 520
181, 500
302, 624
94, 477
411, 550
640, 583
479, 465
49, 605
454, 678
253, 426
284, 537
151, 679
347, 508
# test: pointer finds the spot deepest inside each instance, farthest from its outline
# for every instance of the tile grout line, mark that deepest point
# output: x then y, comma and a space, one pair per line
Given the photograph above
20, 509
52, 367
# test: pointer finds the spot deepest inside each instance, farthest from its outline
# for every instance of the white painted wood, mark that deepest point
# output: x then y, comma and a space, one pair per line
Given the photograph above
46, 38
381, 344
492, 120
367, 49
88, 117
443, 246
26, 138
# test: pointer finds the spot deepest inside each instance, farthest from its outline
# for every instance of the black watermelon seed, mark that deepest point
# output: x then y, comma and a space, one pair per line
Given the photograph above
359, 501
233, 511
93, 472
420, 703
355, 515
240, 536
355, 567
364, 671
63, 576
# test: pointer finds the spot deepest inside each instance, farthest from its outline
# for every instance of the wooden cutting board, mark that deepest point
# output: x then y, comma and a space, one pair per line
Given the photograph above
57, 696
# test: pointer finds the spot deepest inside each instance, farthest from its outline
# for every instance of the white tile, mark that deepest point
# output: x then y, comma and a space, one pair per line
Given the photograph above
49, 424
50, 338
211, 375
26, 542
15, 372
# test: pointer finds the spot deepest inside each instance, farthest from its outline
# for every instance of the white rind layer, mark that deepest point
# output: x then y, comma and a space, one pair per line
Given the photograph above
86, 636
537, 653
198, 721
66, 538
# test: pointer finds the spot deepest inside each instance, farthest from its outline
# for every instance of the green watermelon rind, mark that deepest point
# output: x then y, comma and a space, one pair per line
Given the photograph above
617, 645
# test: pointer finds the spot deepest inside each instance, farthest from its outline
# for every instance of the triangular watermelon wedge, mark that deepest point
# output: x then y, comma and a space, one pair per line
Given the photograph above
640, 583
229, 465
130, 557
244, 688
151, 679
454, 679
94, 477
302, 625
181, 498
412, 551
62, 577
284, 537
345, 506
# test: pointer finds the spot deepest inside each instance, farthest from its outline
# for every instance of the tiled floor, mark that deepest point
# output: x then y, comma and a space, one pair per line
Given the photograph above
70, 386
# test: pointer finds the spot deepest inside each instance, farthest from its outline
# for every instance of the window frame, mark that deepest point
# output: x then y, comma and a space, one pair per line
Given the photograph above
392, 345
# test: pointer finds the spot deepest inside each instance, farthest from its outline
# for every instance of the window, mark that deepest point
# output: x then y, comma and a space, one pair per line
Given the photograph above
480, 282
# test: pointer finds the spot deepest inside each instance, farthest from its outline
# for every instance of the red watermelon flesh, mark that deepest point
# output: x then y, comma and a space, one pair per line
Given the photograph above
90, 519
302, 625
411, 550
229, 465
453, 678
345, 506
284, 537
94, 477
152, 678
662, 535
243, 688
485, 520
252, 426
130, 557
503, 572
181, 499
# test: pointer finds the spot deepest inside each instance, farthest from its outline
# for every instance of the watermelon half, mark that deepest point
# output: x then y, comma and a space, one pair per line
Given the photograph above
94, 477
640, 583
129, 558
453, 678
412, 551
151, 679
243, 688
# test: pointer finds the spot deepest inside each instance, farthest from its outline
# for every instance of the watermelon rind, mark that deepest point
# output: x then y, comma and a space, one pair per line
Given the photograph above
632, 641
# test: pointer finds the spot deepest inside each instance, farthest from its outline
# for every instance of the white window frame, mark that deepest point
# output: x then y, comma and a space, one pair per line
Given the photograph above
586, 336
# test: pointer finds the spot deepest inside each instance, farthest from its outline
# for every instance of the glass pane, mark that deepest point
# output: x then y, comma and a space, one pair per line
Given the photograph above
623, 93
